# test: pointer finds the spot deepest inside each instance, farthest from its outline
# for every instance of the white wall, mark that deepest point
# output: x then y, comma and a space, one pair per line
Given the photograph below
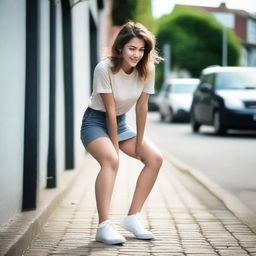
251, 31
252, 58
244, 57
251, 38
44, 92
60, 122
103, 28
226, 19
93, 8
12, 87
12, 96
44, 48
81, 67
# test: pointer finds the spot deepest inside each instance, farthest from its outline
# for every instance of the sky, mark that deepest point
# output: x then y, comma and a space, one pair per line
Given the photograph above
161, 7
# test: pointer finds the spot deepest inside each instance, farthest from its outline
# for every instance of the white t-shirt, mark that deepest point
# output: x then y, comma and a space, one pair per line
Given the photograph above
126, 88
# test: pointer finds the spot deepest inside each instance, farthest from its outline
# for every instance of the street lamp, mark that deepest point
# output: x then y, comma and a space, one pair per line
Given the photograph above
224, 46
167, 60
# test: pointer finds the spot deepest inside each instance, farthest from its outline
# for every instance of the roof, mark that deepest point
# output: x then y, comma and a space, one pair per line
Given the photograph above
183, 80
222, 8
218, 69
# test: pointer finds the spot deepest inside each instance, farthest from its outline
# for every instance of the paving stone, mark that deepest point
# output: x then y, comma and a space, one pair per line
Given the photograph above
37, 253
199, 250
251, 249
247, 244
167, 254
201, 254
235, 252
185, 218
245, 237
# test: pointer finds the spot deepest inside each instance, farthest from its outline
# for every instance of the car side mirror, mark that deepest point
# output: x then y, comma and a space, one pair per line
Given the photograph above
205, 87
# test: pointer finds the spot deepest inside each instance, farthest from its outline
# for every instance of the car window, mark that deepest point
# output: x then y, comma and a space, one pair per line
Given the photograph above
204, 79
184, 88
208, 79
236, 80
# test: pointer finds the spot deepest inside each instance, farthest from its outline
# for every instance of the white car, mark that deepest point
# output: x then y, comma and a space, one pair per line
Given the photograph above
175, 98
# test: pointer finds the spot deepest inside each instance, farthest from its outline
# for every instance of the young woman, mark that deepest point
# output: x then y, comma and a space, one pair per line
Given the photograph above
121, 81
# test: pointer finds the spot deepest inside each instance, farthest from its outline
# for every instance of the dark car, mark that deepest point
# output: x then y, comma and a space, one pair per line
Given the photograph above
225, 99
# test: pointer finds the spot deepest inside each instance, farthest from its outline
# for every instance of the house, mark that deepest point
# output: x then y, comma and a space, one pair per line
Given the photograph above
244, 26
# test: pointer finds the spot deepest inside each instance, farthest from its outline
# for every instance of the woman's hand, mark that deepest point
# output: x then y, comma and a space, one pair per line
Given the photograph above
116, 146
141, 116
109, 104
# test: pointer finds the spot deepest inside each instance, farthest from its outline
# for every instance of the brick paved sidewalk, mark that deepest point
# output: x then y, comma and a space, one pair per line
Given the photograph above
185, 218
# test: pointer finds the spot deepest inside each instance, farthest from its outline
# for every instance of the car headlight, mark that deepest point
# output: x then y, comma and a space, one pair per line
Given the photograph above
233, 103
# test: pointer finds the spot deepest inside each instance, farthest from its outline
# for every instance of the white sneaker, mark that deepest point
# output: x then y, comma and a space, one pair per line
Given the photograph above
107, 234
132, 224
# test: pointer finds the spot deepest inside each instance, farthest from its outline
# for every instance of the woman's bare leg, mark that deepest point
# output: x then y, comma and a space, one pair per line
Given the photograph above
152, 159
104, 152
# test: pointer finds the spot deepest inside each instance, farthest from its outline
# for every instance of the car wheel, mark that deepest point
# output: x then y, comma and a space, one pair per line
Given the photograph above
217, 124
194, 124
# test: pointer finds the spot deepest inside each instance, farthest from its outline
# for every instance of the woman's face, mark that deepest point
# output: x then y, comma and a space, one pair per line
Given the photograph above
132, 52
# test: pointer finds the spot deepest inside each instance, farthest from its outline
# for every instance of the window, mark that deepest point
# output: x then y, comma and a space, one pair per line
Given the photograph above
209, 79
236, 80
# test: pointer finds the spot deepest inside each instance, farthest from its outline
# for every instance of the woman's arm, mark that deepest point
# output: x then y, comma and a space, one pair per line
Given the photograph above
141, 116
109, 103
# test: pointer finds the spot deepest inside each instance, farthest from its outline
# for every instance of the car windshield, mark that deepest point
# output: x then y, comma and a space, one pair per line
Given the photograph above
236, 80
183, 88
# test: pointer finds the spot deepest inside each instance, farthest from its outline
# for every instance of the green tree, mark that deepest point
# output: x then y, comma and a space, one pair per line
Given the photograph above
136, 10
123, 11
143, 14
196, 41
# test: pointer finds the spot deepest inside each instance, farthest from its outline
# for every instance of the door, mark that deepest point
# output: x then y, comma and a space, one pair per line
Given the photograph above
203, 99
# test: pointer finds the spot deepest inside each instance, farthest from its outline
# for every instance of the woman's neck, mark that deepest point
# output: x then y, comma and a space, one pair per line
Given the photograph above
126, 68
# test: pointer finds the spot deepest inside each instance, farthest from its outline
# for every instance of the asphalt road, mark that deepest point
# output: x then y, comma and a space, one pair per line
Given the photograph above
228, 160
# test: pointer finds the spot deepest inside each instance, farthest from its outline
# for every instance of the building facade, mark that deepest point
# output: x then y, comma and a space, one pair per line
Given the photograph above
48, 50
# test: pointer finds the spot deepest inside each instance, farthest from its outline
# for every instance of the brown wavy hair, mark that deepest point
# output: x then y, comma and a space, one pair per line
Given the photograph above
130, 30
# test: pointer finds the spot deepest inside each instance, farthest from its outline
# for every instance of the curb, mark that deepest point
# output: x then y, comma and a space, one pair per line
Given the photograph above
234, 204
20, 232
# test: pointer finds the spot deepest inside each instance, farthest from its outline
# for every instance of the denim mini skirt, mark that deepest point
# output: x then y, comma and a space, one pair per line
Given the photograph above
94, 126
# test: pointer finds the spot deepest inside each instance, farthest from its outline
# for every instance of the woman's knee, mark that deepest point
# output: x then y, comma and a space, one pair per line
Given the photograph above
155, 160
158, 159
110, 161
